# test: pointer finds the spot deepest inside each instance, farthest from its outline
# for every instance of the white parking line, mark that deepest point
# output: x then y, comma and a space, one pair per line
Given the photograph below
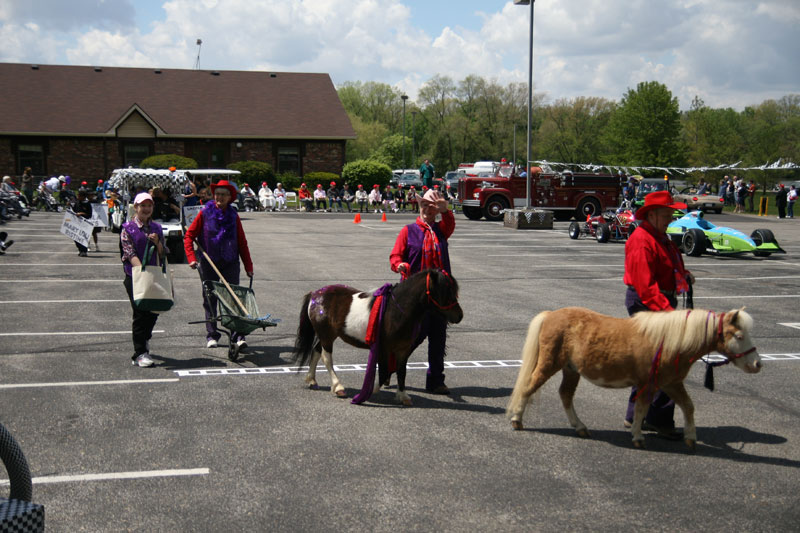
759, 296
86, 383
795, 325
56, 333
115, 280
116, 476
59, 301
117, 264
420, 365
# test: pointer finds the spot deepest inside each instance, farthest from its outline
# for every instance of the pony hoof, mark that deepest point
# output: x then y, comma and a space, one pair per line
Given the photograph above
516, 425
584, 433
407, 402
341, 393
639, 444
691, 444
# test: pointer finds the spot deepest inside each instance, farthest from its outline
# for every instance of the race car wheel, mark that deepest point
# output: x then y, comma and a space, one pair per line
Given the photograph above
472, 213
588, 206
19, 473
603, 233
760, 236
694, 242
494, 208
574, 230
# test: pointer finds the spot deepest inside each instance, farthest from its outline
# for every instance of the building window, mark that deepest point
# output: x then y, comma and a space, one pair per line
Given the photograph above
31, 155
289, 160
133, 154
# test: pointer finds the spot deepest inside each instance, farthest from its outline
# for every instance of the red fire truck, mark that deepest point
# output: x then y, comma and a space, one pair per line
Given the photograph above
487, 194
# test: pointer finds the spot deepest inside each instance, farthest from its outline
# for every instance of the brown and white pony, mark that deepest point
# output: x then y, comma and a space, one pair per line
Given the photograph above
652, 350
339, 311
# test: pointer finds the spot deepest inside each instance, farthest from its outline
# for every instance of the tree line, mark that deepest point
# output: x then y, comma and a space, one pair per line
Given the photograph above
477, 119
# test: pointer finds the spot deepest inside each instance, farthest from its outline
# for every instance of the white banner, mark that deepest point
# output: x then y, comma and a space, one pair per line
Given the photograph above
190, 213
99, 215
77, 228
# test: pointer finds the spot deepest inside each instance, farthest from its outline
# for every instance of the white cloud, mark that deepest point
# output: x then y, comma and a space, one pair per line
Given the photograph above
729, 52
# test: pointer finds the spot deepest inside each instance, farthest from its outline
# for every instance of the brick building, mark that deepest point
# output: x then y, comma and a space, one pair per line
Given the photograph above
87, 121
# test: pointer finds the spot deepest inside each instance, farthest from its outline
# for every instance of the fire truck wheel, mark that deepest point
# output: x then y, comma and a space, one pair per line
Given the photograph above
494, 208
472, 213
574, 230
603, 233
588, 206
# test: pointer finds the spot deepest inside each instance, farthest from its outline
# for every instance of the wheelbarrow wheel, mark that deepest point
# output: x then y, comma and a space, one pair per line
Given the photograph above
233, 351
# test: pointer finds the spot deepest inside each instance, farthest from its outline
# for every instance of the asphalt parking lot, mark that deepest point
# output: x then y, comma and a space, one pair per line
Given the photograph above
198, 443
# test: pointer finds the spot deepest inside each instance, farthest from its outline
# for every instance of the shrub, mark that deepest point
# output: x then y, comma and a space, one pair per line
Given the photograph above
290, 181
168, 160
367, 172
312, 179
254, 173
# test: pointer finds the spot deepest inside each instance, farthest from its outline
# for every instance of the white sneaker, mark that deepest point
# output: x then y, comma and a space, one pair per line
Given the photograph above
143, 360
242, 344
211, 343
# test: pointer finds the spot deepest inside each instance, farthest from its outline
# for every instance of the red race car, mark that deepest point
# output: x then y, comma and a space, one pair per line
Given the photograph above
617, 224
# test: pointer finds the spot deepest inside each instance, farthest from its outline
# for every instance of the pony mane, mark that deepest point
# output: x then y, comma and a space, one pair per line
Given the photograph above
683, 331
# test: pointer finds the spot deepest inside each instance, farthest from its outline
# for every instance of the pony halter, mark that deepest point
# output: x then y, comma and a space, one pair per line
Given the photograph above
730, 356
431, 299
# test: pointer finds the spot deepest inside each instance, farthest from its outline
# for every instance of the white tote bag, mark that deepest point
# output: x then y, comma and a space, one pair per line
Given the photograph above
152, 285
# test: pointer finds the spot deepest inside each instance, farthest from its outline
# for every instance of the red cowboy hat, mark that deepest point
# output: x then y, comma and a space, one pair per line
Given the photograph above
655, 200
333, 184
226, 185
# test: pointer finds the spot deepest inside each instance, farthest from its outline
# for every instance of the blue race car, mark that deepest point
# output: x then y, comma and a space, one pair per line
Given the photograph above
695, 235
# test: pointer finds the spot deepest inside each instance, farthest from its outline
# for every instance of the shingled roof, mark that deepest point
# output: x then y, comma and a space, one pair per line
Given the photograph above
93, 101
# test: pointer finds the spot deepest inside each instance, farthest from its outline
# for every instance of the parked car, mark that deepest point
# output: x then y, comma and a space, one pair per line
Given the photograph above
451, 178
407, 180
703, 202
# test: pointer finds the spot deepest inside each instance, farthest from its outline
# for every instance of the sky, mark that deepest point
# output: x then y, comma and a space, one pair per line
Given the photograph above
730, 53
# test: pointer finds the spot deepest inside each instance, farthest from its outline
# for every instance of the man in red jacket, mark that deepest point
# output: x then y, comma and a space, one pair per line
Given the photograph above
218, 229
655, 275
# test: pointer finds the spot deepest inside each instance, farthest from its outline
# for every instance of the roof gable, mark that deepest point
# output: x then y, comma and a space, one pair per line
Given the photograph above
83, 101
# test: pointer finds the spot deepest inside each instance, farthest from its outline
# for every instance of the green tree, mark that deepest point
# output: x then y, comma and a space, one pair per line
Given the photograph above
369, 136
571, 129
646, 128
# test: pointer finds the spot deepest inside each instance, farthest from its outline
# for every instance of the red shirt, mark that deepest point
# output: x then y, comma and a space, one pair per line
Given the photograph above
447, 226
197, 227
650, 266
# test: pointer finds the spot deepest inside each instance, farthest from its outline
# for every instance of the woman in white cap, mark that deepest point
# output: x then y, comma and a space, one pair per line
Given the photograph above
135, 236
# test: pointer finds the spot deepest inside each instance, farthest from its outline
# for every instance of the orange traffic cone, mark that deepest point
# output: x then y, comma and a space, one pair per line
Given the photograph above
357, 219
383, 218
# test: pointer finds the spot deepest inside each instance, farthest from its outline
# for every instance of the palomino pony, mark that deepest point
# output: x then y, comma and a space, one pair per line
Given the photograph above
389, 321
652, 350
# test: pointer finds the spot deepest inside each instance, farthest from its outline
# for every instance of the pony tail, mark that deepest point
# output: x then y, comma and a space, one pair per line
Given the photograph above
304, 343
530, 356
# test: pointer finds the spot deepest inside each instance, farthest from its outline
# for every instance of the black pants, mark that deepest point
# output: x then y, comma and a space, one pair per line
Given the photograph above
662, 409
142, 325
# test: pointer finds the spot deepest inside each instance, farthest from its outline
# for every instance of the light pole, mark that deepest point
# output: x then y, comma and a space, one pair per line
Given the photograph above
413, 137
404, 97
530, 101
